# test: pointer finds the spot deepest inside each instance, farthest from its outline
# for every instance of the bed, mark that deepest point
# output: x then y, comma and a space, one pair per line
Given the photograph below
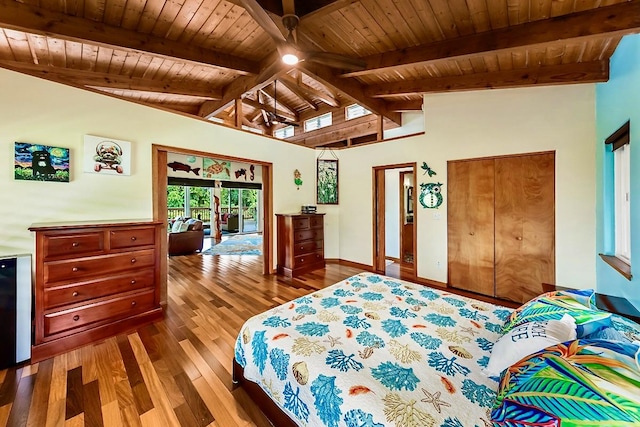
373, 351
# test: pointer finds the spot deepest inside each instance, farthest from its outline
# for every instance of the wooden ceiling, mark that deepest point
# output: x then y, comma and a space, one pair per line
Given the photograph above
218, 58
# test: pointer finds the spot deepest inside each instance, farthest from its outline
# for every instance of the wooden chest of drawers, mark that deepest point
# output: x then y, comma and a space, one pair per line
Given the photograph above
300, 243
93, 280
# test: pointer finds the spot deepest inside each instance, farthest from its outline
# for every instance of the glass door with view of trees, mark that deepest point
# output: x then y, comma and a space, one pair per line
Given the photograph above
195, 202
236, 200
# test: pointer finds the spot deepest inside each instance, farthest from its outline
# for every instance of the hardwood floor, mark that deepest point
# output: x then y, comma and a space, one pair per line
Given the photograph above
175, 372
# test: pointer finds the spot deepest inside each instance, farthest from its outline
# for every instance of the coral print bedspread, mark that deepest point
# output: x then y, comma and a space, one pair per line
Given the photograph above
373, 351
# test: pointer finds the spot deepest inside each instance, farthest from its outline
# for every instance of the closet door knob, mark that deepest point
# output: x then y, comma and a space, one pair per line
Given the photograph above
471, 233
518, 238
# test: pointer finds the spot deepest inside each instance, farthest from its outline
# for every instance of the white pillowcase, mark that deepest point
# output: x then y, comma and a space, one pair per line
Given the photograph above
175, 228
527, 339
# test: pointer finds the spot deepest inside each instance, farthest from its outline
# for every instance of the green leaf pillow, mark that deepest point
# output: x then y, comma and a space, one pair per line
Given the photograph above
578, 303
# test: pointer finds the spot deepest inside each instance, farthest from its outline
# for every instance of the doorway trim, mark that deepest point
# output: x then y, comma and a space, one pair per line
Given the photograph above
159, 190
379, 209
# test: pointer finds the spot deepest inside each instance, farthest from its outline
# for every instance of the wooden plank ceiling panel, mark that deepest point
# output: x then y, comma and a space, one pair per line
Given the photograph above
93, 10
479, 13
149, 17
452, 27
182, 19
113, 14
19, 45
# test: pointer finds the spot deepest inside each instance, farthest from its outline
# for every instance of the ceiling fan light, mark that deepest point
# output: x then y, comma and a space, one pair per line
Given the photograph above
290, 59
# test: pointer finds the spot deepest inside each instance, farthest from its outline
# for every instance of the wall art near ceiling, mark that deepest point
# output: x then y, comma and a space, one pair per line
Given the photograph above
297, 178
36, 162
190, 164
106, 156
431, 195
216, 169
327, 182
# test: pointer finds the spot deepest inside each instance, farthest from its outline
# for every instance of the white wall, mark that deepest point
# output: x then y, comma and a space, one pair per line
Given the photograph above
412, 122
392, 214
487, 123
41, 112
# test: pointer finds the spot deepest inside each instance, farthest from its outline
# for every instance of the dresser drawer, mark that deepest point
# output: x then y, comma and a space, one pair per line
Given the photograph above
307, 234
300, 223
73, 269
111, 309
72, 245
83, 291
302, 260
315, 221
132, 237
307, 246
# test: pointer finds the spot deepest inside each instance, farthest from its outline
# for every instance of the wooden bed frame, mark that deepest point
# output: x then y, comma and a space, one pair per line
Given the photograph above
276, 416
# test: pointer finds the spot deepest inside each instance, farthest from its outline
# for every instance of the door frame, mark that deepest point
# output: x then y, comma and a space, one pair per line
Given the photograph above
379, 209
159, 190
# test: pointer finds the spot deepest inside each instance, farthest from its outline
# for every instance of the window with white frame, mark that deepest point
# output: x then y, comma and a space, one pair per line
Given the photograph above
284, 132
354, 111
318, 122
619, 142
254, 130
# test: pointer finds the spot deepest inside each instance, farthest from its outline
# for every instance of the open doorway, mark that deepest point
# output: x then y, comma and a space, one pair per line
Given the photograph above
160, 211
394, 233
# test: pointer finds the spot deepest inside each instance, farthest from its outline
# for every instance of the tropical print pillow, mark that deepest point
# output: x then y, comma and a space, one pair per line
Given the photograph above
577, 383
579, 304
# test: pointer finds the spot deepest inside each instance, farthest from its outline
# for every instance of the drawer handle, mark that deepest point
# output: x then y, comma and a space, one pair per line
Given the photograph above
76, 318
75, 244
301, 259
133, 303
301, 248
75, 294
74, 269
133, 238
133, 282
133, 260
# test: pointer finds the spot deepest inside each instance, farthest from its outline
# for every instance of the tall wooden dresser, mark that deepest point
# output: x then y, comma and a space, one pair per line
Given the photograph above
93, 280
300, 243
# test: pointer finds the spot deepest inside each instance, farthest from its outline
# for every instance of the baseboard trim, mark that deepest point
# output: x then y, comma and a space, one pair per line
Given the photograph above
349, 264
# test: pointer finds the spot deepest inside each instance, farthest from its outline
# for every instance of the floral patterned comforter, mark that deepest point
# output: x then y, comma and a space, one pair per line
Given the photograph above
372, 351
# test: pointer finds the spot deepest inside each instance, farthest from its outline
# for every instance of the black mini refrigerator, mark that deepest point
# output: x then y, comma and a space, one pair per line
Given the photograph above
15, 309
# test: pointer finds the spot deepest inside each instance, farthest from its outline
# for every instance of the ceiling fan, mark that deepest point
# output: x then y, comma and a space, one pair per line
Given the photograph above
273, 116
287, 46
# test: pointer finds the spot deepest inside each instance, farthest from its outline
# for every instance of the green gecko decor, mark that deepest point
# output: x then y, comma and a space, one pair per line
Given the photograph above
297, 178
430, 195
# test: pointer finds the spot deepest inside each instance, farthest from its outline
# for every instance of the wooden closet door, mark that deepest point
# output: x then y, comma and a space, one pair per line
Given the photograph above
470, 228
525, 225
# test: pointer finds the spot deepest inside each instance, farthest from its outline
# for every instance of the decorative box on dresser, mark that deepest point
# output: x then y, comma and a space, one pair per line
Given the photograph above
93, 280
300, 243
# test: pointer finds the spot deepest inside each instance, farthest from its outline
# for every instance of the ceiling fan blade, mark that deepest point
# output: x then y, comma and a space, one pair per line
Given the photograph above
335, 60
263, 19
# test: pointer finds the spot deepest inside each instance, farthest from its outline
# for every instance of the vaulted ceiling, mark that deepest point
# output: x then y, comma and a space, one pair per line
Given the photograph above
221, 58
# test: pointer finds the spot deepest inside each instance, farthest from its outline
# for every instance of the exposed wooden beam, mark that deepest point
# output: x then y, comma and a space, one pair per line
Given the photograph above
30, 19
278, 102
365, 128
616, 20
242, 85
111, 81
352, 89
238, 113
412, 105
292, 85
327, 98
585, 72
255, 104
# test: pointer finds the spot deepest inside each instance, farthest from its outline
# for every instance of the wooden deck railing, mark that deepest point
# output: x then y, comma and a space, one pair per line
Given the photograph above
205, 213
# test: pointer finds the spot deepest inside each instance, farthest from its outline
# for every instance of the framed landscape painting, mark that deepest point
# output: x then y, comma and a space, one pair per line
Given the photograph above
327, 182
37, 162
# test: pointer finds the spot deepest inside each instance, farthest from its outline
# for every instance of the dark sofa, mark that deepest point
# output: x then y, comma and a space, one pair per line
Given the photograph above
186, 242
